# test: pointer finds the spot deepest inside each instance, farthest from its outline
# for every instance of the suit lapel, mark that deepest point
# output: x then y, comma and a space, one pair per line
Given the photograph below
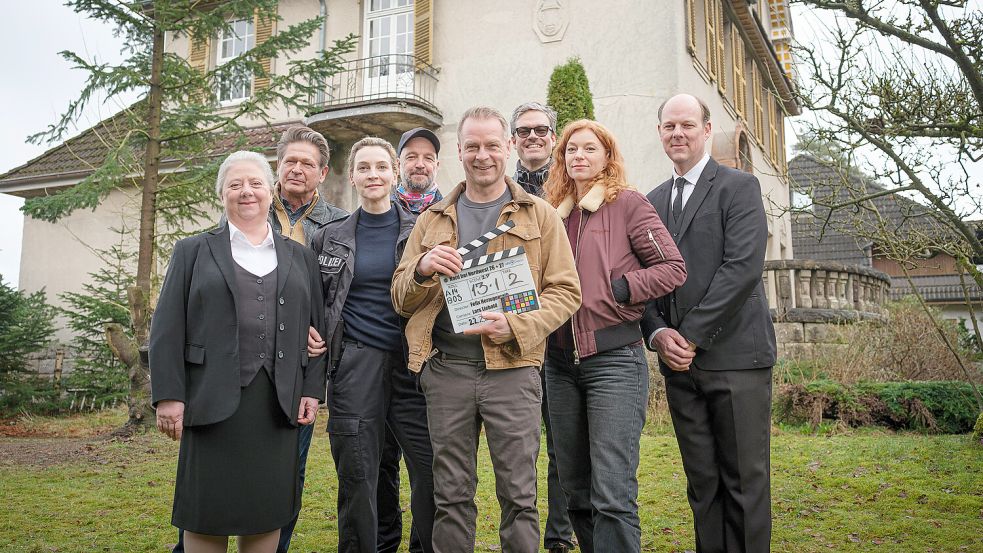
283, 261
699, 194
660, 200
221, 248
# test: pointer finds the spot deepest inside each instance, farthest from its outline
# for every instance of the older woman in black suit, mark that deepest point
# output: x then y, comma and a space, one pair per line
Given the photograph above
230, 373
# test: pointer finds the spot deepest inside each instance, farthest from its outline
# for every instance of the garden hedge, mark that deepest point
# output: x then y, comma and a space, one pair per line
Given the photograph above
945, 407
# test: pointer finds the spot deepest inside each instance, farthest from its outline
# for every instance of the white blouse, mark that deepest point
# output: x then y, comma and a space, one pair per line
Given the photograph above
258, 260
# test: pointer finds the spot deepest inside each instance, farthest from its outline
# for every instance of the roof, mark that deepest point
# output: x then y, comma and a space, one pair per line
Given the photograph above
848, 233
937, 288
78, 157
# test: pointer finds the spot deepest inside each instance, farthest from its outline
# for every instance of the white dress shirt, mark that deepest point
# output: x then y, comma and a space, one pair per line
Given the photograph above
259, 260
691, 177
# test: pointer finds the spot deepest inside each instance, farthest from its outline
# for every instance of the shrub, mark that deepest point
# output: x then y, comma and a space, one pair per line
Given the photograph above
907, 347
569, 93
98, 374
26, 326
941, 407
28, 393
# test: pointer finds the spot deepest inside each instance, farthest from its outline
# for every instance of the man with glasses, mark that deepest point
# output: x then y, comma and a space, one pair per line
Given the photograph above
534, 138
533, 135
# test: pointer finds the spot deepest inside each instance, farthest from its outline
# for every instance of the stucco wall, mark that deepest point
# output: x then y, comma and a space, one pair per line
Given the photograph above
59, 256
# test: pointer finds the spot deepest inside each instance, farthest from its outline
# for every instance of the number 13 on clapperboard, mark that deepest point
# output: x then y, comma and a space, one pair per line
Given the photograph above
499, 282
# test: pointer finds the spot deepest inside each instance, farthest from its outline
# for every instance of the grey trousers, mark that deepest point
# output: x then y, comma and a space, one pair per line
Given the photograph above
462, 395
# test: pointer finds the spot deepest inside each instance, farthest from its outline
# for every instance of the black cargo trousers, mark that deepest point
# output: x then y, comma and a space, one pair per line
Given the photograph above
369, 391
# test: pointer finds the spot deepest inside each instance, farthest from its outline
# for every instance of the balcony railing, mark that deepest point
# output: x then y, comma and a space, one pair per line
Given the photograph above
391, 77
814, 291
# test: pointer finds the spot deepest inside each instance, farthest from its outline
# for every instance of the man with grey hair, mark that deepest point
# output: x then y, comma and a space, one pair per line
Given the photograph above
489, 374
534, 135
297, 212
302, 165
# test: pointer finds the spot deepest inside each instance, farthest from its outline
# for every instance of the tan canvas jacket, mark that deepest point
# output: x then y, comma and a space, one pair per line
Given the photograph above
539, 230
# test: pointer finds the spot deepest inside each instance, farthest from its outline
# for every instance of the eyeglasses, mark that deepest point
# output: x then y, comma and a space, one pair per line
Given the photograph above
541, 131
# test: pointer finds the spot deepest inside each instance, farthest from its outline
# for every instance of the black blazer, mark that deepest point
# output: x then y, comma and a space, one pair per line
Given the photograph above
194, 338
722, 307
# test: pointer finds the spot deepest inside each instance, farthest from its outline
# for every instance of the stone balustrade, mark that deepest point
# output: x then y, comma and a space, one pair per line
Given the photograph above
824, 292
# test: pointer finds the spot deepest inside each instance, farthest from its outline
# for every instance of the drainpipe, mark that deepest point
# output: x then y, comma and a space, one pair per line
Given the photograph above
323, 43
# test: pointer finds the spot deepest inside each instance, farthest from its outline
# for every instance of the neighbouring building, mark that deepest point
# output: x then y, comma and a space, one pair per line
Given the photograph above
849, 236
423, 62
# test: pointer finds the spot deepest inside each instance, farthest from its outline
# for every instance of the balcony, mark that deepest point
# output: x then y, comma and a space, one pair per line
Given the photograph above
377, 96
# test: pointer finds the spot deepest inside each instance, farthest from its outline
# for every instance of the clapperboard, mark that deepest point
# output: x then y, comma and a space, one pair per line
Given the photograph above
499, 282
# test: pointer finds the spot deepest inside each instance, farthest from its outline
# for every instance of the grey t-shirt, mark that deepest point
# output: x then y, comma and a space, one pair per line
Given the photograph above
473, 220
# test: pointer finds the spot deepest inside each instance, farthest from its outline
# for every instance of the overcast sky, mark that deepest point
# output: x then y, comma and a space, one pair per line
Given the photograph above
36, 88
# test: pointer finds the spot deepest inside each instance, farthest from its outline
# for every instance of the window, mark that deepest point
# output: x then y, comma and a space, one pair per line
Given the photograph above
778, 135
759, 114
235, 41
389, 28
723, 32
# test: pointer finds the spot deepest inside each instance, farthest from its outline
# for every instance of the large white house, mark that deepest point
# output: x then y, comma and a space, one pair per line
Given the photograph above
423, 62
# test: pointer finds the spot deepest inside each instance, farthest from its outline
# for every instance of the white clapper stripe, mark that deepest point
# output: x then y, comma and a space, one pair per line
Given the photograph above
485, 238
518, 250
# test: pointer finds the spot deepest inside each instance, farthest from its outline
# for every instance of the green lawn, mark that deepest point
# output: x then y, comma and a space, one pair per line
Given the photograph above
853, 491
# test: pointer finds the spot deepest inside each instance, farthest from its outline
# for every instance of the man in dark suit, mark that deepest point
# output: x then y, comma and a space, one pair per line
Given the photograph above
714, 335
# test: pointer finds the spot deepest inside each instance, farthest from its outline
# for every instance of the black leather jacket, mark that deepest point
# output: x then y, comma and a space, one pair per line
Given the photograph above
334, 247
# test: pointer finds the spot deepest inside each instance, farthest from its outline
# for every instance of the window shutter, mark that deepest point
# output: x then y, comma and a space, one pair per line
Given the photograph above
780, 136
423, 32
710, 22
773, 131
198, 54
740, 83
721, 58
264, 30
759, 116
691, 25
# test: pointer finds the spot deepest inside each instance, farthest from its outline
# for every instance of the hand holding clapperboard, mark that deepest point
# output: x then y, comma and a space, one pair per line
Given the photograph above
498, 282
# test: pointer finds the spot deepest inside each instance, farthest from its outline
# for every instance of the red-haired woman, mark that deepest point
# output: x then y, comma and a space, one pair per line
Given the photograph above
596, 372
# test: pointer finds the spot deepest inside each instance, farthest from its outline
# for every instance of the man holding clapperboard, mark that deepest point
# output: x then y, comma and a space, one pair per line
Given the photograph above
482, 367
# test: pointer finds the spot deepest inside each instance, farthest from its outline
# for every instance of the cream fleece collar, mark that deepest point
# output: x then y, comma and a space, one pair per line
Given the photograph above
592, 201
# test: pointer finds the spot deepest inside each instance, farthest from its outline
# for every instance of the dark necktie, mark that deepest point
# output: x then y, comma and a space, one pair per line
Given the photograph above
677, 203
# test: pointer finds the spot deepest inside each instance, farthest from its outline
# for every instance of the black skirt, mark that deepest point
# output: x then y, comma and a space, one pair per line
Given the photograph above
238, 477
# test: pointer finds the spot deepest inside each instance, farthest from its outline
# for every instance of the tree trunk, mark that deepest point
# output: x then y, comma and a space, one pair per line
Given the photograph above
139, 295
127, 351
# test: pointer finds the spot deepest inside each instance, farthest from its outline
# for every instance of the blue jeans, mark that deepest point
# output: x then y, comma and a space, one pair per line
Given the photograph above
304, 445
597, 410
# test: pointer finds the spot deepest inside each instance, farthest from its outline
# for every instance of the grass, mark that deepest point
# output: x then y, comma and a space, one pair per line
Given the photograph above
835, 490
